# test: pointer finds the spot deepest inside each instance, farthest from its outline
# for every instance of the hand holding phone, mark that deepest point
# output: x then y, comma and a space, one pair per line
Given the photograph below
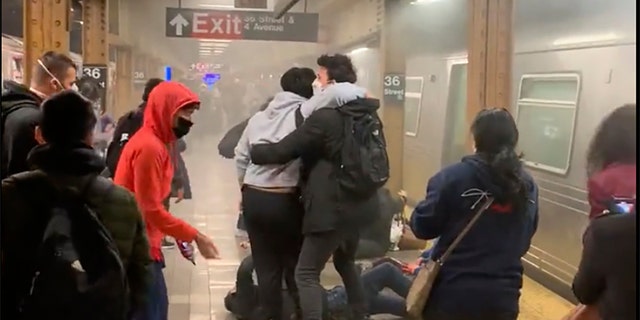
187, 251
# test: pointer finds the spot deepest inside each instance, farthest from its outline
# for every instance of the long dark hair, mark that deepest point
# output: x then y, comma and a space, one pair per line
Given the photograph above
496, 135
614, 141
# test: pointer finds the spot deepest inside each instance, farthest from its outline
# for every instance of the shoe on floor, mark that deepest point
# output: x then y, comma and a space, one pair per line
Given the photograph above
166, 244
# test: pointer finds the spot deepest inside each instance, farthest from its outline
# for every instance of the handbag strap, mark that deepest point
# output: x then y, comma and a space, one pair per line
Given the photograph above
487, 203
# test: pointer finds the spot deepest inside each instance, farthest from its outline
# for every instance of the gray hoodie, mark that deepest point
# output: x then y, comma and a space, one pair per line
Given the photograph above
333, 96
275, 123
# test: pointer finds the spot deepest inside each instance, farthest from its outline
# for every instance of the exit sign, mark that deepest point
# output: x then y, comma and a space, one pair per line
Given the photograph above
250, 4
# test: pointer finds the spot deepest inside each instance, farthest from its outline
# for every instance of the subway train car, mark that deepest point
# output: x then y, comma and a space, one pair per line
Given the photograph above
574, 61
12, 58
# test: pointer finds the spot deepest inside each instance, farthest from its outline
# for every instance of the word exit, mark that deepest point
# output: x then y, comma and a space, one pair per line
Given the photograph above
236, 25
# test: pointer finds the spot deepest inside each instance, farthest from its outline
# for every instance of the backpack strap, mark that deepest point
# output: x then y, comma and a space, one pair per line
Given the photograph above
487, 203
299, 116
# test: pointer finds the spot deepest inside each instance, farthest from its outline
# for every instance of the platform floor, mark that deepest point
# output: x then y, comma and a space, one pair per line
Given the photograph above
197, 292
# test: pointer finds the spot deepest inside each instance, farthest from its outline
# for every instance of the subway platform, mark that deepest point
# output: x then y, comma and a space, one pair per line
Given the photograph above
197, 292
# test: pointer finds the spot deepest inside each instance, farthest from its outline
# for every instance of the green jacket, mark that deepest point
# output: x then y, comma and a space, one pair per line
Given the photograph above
22, 228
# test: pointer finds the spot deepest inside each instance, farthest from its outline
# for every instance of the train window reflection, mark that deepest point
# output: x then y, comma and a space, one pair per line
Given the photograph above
412, 105
546, 115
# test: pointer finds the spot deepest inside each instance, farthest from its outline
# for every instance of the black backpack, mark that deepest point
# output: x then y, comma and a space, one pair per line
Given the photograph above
127, 125
364, 163
78, 273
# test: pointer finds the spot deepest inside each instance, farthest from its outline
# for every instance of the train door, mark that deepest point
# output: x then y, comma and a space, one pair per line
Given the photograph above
456, 129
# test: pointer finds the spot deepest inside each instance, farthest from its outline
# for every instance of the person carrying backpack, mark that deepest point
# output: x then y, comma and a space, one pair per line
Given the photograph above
52, 73
338, 146
74, 244
126, 126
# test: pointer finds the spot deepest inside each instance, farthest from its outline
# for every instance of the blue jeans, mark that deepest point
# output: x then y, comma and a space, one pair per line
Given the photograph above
157, 304
382, 276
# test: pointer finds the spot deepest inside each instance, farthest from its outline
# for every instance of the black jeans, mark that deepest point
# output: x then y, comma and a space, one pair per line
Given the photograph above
274, 222
316, 250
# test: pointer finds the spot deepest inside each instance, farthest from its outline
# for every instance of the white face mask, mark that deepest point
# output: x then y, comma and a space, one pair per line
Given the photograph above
317, 87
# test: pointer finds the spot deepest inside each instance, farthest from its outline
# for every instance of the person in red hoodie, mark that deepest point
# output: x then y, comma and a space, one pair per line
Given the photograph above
145, 168
611, 161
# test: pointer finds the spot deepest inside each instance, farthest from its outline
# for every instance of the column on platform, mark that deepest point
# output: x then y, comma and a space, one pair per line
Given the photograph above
490, 46
124, 83
95, 45
393, 59
46, 27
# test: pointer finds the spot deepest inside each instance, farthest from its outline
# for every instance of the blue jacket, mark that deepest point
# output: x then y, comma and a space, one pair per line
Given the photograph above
484, 273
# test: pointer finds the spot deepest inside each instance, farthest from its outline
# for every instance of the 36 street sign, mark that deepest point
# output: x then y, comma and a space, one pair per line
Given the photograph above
393, 88
245, 25
98, 72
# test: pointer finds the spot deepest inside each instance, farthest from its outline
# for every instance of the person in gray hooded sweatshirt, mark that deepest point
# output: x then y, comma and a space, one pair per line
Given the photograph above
271, 209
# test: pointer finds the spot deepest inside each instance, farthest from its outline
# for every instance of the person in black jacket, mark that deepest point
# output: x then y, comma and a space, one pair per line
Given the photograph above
228, 144
607, 275
331, 223
52, 73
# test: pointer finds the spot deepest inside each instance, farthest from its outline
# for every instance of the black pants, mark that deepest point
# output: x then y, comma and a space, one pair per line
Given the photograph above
274, 223
316, 250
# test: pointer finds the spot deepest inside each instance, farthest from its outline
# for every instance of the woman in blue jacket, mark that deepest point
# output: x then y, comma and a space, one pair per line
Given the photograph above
482, 278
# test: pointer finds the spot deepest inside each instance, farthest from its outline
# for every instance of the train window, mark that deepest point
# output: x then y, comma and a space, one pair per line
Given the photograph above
546, 119
412, 105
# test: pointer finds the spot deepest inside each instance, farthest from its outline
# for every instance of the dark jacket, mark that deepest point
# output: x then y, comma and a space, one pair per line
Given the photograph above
484, 273
22, 228
18, 132
319, 143
607, 275
228, 144
616, 180
375, 239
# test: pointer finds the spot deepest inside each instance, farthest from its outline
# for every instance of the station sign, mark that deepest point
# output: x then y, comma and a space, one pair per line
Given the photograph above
393, 85
240, 25
98, 72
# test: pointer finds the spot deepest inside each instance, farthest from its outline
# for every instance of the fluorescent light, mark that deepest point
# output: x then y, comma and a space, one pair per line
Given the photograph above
215, 40
218, 6
602, 37
358, 50
213, 44
424, 1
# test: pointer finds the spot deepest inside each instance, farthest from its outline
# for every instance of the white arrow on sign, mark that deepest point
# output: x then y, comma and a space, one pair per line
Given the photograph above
179, 22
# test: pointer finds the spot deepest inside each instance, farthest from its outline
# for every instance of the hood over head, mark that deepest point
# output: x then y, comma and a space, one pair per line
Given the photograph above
164, 101
13, 91
283, 101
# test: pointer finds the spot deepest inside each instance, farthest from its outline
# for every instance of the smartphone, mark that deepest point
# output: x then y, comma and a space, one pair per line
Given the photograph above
621, 205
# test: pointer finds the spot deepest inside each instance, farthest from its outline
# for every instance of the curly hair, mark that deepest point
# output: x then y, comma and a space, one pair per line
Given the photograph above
614, 140
339, 67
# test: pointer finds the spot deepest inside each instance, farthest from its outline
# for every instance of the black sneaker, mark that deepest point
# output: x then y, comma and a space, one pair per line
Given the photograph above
166, 244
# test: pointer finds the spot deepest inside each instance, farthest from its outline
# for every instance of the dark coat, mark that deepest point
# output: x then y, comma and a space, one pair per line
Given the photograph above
18, 129
228, 144
607, 275
318, 142
22, 225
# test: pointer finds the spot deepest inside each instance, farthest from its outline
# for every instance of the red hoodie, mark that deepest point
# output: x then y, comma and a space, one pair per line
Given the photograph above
145, 167
616, 180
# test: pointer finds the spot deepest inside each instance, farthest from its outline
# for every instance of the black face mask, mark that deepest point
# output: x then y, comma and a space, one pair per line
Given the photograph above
182, 128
